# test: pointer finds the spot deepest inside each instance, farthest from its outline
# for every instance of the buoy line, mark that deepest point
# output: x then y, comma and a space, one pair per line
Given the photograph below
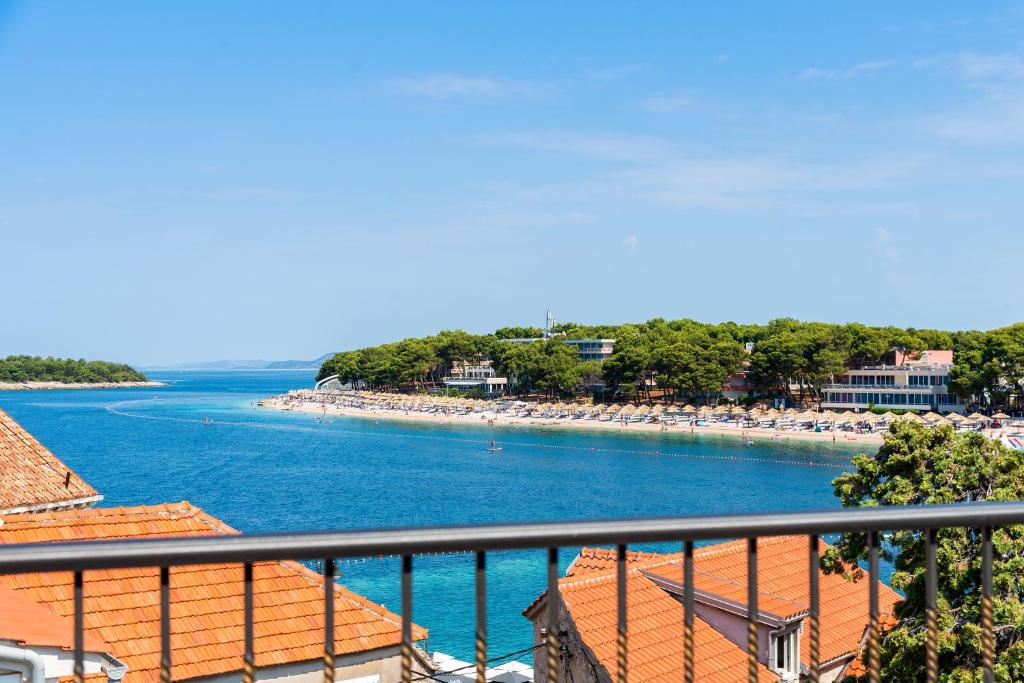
114, 408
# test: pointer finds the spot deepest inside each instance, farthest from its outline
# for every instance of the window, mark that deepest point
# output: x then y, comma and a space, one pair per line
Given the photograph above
785, 654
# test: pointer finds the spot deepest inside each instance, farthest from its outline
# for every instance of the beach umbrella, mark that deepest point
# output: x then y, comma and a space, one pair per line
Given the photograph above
630, 409
978, 417
643, 410
658, 409
910, 417
931, 417
688, 408
955, 417
889, 415
704, 410
1001, 416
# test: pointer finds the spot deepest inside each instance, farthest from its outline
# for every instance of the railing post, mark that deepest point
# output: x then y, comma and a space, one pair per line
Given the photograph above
688, 612
554, 617
814, 569
79, 670
406, 618
481, 617
329, 620
621, 595
165, 624
249, 663
874, 634
752, 615
987, 636
931, 609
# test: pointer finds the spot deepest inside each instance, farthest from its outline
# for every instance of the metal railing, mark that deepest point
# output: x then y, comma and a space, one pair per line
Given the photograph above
407, 543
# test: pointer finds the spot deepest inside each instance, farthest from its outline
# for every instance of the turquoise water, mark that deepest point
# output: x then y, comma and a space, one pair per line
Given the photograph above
262, 470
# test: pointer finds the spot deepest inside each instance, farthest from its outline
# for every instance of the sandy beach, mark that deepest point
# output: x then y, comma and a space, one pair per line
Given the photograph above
52, 386
497, 419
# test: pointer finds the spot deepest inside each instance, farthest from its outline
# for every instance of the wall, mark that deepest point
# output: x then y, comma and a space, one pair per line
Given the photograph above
385, 663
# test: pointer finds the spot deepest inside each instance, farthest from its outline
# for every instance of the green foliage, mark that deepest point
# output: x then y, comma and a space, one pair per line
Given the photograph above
36, 369
518, 333
989, 365
790, 358
923, 466
544, 365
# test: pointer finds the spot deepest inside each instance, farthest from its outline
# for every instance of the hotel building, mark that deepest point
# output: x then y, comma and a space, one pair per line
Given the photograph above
909, 384
479, 375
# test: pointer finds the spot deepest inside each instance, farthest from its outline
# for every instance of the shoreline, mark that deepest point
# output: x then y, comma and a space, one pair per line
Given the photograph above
499, 420
56, 386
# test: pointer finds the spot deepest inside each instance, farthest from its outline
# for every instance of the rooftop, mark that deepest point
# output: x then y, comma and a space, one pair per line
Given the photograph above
122, 609
33, 478
720, 576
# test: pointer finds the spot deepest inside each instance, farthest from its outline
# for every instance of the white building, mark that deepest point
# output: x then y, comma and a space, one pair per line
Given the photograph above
481, 375
909, 384
588, 349
592, 349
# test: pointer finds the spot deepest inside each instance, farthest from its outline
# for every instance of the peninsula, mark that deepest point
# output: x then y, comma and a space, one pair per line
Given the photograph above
35, 372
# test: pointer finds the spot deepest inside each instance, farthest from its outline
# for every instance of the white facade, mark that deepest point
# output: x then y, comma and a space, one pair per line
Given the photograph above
466, 376
918, 385
592, 349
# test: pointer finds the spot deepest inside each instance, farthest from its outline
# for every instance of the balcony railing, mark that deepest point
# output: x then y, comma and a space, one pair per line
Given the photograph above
248, 549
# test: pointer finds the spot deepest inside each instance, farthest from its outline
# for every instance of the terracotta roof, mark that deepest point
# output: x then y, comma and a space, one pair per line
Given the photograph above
655, 641
603, 559
783, 584
122, 607
31, 476
29, 623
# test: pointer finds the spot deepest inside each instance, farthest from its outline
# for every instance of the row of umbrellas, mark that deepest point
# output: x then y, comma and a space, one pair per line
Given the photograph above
757, 413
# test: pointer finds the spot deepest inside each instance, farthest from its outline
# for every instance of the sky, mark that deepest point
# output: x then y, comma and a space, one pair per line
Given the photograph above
193, 181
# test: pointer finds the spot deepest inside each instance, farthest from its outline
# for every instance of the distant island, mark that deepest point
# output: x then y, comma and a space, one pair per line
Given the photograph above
250, 364
35, 372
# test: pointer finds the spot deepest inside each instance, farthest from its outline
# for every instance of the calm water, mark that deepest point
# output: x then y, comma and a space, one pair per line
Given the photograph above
263, 470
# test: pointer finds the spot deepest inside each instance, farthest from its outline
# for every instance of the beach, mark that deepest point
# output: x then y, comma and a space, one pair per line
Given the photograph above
54, 386
487, 418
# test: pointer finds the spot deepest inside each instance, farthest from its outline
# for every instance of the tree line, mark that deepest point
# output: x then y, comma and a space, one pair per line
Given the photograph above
67, 370
689, 359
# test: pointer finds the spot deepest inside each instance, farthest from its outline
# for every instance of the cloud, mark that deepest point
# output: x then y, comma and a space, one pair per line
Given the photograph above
631, 242
667, 104
652, 173
978, 67
626, 148
883, 240
449, 86
723, 58
850, 72
996, 114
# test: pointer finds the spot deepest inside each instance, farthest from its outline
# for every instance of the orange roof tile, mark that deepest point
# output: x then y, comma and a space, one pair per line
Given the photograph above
122, 606
783, 583
603, 559
31, 476
29, 623
655, 642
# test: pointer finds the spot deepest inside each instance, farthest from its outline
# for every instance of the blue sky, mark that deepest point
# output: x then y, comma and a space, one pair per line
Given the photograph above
190, 181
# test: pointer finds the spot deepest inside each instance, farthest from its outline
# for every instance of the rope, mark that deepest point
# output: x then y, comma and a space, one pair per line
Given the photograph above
113, 408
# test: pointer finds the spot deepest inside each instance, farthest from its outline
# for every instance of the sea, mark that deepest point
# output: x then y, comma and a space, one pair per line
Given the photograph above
262, 470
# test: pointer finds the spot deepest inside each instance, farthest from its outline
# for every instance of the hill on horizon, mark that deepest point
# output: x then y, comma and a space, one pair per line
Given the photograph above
234, 364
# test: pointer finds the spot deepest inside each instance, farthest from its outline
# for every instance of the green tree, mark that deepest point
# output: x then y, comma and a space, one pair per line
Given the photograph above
68, 370
924, 466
